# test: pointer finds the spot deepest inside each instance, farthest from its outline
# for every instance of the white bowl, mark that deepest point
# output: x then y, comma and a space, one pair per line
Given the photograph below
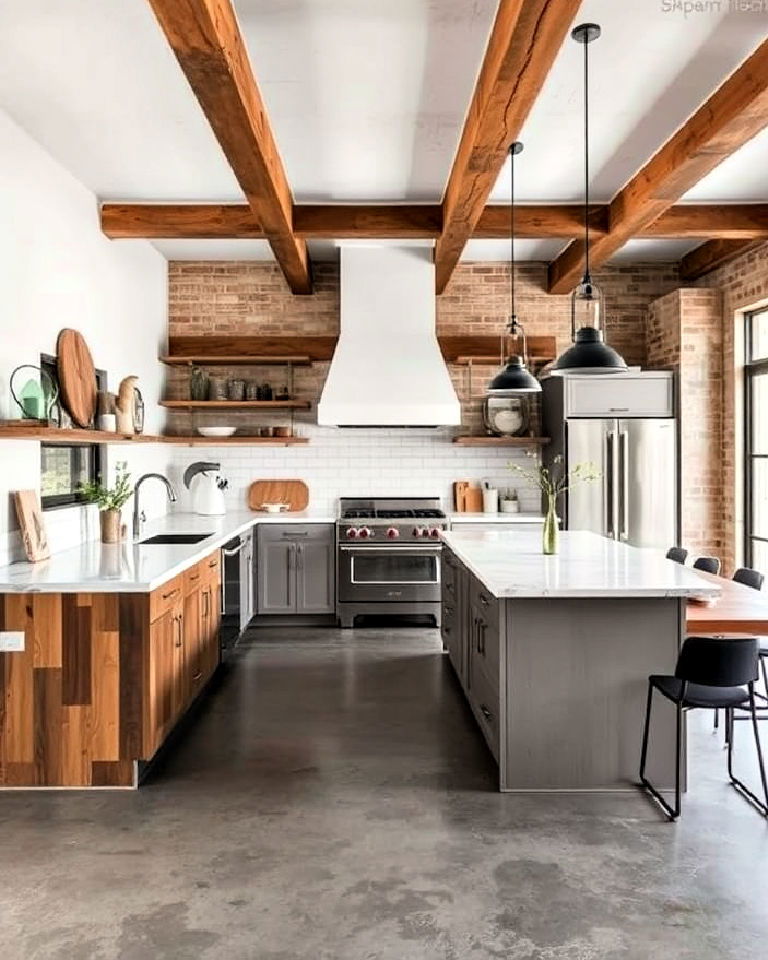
216, 431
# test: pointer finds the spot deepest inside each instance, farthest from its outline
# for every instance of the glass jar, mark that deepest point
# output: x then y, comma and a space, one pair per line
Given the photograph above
236, 390
507, 416
217, 388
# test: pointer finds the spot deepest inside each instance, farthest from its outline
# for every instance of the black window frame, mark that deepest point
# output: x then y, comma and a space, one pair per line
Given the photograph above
753, 368
74, 498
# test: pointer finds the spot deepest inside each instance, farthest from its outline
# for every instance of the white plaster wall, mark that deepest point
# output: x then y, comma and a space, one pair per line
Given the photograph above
58, 270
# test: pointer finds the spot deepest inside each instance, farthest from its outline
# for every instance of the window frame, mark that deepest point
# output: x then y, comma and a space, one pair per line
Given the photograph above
74, 498
753, 368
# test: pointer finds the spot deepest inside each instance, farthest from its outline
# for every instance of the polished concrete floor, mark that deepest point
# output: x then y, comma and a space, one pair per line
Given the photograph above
333, 801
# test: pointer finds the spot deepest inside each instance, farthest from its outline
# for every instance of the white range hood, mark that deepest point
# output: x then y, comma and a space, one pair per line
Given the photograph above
387, 370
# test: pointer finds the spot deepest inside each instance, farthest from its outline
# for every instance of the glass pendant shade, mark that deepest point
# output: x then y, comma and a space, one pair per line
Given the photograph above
514, 378
589, 353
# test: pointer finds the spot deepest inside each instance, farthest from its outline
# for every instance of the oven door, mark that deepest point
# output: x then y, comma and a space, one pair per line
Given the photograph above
381, 574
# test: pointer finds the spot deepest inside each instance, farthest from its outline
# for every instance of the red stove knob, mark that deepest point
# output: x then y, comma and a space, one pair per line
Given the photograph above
365, 533
352, 533
393, 533
434, 533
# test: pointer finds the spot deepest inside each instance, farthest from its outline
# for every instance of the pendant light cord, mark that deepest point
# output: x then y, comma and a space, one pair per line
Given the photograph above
586, 161
512, 233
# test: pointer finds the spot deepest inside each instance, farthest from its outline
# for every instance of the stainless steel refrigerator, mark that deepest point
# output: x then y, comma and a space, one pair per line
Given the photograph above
605, 420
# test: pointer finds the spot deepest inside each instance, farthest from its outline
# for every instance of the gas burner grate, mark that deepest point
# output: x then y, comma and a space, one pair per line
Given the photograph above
358, 515
429, 514
395, 514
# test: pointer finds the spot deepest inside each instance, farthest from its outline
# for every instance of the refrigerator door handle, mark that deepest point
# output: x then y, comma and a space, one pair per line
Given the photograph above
623, 484
609, 475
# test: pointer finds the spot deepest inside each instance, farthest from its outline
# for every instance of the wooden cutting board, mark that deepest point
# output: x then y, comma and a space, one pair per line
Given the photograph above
467, 498
77, 376
31, 525
293, 492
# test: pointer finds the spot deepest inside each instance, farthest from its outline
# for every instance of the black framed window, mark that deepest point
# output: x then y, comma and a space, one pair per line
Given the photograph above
63, 467
756, 440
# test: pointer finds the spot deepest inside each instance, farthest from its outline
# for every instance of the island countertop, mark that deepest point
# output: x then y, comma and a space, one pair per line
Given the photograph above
128, 567
509, 563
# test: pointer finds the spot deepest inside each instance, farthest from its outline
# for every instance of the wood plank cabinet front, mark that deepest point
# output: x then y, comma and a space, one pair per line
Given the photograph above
103, 678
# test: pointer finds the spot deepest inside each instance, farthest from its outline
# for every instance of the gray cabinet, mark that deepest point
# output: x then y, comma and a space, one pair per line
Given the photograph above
452, 629
296, 569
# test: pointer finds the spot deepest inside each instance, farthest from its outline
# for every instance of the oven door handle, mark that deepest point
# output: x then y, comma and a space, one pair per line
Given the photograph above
427, 548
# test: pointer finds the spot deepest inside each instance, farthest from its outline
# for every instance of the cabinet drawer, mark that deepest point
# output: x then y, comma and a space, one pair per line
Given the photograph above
620, 396
164, 597
484, 700
193, 577
211, 567
484, 654
299, 532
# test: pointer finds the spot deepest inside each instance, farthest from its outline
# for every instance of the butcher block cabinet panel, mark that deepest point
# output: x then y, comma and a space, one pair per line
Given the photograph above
103, 678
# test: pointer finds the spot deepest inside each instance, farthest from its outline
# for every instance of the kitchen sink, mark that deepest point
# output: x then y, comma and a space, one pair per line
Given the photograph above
160, 538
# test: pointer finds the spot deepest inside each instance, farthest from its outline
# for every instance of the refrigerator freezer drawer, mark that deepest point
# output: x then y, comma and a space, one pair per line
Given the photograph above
646, 395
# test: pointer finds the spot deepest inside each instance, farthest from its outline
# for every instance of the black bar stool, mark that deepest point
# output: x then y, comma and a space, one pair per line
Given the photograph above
708, 564
678, 554
711, 673
755, 579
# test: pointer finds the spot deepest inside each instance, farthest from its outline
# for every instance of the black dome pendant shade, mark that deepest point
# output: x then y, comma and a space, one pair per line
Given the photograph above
515, 377
588, 352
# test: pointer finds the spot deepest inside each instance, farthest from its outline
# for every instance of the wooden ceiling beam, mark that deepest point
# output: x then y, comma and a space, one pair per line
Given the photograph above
207, 42
223, 221
711, 255
734, 113
526, 37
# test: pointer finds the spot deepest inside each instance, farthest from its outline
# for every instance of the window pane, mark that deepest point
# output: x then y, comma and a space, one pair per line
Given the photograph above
62, 469
758, 386
759, 498
760, 556
759, 322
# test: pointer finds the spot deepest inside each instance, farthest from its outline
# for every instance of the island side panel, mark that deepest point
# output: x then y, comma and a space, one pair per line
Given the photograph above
576, 678
70, 694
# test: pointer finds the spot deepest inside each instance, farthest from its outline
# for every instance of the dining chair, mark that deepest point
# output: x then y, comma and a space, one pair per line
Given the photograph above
711, 672
678, 554
707, 564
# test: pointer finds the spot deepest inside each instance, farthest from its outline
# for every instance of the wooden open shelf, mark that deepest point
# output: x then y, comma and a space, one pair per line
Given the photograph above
478, 361
73, 435
501, 441
197, 441
236, 404
236, 360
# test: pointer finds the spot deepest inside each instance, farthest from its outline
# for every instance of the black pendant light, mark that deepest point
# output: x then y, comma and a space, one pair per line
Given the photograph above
515, 377
589, 353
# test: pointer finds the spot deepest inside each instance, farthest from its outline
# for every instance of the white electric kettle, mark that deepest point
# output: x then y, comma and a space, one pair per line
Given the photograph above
207, 487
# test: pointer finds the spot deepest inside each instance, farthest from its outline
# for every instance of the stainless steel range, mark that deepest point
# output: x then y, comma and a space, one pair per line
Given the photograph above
389, 557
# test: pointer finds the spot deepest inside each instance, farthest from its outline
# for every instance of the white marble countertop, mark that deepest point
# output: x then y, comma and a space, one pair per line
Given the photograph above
510, 564
130, 567
495, 518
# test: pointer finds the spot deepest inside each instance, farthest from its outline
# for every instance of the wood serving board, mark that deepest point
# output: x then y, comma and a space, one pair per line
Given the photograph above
293, 492
31, 525
77, 376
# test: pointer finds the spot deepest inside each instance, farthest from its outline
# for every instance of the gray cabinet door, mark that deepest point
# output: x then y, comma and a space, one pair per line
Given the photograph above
315, 579
276, 576
296, 569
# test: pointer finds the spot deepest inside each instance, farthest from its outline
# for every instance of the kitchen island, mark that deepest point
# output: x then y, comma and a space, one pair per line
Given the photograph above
554, 653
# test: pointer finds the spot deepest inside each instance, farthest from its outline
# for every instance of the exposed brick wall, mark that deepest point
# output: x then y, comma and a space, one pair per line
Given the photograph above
744, 286
684, 334
252, 299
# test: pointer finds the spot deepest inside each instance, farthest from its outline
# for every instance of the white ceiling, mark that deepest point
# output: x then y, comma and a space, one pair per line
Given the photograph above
367, 100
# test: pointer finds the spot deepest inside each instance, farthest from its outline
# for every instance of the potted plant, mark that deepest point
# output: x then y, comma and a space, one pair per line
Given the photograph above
552, 484
110, 501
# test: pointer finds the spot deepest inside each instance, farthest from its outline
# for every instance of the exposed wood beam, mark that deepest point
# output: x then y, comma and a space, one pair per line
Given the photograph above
207, 42
727, 221
180, 221
367, 221
221, 221
711, 255
729, 118
524, 42
538, 221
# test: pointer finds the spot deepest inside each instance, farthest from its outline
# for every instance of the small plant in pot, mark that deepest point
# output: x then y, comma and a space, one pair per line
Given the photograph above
110, 501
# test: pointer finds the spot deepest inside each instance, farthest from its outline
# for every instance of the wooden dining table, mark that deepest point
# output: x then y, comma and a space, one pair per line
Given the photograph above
738, 609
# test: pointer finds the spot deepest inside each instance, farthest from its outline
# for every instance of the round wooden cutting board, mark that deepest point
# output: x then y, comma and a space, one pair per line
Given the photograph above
77, 376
